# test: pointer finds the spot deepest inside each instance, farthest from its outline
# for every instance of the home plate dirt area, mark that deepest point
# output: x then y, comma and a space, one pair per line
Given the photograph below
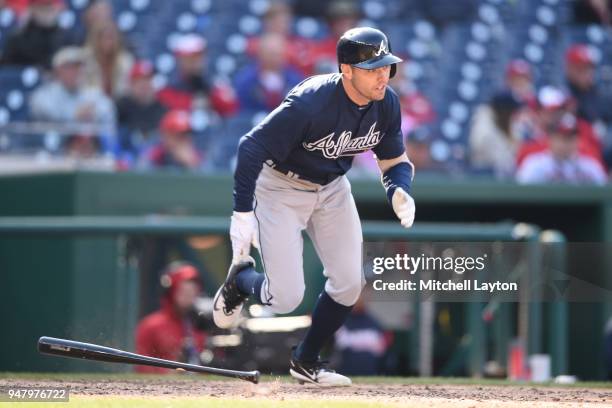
394, 392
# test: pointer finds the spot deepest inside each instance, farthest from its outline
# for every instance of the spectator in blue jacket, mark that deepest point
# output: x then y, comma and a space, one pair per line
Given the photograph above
263, 84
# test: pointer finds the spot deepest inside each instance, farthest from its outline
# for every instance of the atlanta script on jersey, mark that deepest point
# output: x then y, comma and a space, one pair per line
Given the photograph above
346, 144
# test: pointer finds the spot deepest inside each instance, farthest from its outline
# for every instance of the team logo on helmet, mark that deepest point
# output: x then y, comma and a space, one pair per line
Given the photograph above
383, 49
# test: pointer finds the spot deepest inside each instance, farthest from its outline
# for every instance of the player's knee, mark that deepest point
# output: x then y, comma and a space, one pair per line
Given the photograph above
354, 291
287, 302
349, 292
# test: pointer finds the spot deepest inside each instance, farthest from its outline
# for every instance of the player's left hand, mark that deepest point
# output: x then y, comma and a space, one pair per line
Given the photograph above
404, 207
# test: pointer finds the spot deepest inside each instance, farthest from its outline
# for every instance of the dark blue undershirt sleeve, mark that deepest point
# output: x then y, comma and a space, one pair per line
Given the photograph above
251, 157
274, 138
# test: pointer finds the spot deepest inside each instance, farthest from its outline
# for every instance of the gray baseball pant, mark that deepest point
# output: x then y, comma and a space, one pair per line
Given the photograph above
285, 206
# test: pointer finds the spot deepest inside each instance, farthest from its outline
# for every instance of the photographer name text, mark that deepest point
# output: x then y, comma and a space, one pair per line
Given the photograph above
449, 285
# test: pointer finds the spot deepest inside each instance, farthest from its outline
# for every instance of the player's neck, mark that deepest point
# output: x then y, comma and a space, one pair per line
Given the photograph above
353, 94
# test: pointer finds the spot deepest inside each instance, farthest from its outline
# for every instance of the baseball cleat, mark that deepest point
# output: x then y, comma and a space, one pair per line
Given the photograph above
229, 300
317, 373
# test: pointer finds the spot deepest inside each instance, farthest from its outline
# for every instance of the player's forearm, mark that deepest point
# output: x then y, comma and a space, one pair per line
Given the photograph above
251, 157
397, 172
398, 176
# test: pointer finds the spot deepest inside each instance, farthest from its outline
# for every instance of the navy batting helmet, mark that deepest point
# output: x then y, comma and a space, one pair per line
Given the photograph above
367, 48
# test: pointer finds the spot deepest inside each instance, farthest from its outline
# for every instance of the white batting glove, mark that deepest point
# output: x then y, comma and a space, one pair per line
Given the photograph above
243, 233
404, 207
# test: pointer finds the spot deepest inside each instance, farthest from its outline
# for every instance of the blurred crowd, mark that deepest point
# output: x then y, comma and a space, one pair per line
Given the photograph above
545, 135
97, 97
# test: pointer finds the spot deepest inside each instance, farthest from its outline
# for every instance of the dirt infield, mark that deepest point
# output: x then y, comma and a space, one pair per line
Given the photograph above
397, 394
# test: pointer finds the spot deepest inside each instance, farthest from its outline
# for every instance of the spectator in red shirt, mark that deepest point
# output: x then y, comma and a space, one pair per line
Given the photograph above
278, 19
191, 87
169, 333
176, 148
341, 15
561, 162
551, 104
580, 73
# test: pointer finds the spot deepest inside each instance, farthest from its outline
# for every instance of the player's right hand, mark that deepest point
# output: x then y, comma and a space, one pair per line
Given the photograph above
243, 233
404, 207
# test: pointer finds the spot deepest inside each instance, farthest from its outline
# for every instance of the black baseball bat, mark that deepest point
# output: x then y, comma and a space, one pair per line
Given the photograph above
88, 351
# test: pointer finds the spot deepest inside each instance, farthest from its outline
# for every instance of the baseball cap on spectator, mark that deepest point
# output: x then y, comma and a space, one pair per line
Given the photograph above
189, 44
518, 67
176, 273
176, 121
141, 69
579, 54
551, 98
68, 55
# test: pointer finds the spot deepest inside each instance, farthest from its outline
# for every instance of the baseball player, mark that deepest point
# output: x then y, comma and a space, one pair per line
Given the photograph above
290, 177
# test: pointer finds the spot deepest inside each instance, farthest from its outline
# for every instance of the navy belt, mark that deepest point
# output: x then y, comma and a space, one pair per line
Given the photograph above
292, 174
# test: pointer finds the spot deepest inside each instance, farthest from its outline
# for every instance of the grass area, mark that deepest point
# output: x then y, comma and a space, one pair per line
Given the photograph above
123, 402
356, 380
